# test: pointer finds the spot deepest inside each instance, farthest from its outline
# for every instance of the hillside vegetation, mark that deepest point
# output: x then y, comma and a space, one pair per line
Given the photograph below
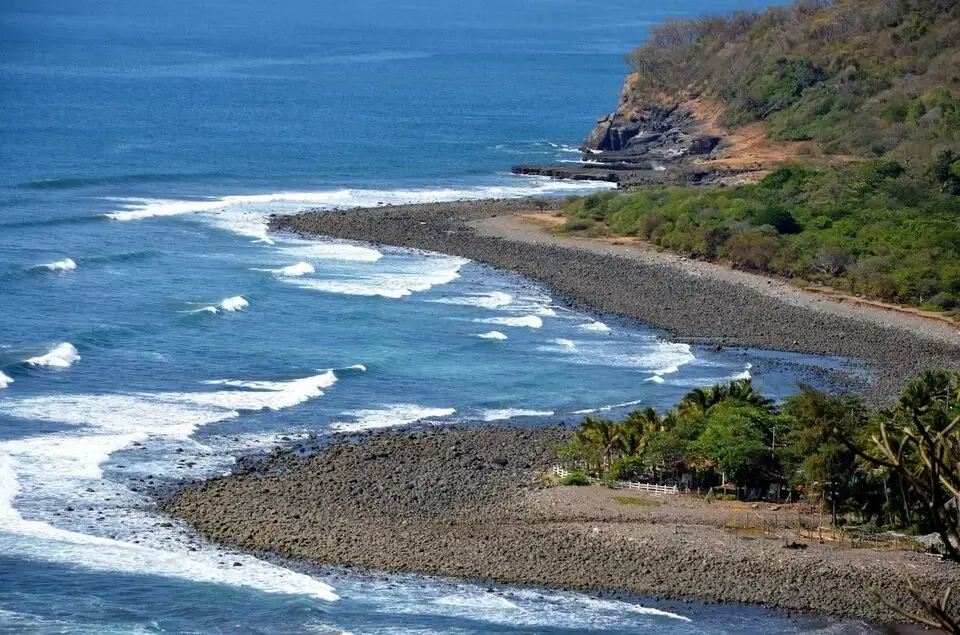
862, 77
877, 81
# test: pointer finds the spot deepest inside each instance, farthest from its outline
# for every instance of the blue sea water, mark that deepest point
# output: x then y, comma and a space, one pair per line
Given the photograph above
151, 329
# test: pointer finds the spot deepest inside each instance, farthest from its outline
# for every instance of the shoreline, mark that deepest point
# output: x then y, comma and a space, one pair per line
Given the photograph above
472, 504
688, 301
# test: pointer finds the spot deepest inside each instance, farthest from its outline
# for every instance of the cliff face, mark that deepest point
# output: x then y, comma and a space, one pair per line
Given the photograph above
648, 131
659, 139
637, 143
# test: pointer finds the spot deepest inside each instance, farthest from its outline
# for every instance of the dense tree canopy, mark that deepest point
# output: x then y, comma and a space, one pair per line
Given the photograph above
871, 228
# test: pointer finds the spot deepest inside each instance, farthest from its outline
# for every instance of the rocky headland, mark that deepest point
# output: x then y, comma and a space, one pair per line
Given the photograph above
657, 139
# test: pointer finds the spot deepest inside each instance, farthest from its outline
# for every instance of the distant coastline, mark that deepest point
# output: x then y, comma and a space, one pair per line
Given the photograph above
690, 301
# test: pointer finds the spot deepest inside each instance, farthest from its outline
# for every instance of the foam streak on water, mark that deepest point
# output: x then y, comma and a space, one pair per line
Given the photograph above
56, 467
391, 416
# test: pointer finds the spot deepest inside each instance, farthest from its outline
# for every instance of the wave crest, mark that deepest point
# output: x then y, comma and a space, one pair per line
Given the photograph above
62, 355
390, 416
236, 303
528, 321
510, 413
67, 264
493, 335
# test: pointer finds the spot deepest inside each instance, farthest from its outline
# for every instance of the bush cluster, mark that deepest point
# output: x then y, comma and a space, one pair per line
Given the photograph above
873, 228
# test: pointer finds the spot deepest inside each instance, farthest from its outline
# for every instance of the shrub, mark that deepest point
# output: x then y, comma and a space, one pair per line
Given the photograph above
575, 478
778, 218
578, 224
626, 468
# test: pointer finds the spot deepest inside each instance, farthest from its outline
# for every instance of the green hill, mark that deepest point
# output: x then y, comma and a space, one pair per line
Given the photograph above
862, 77
876, 83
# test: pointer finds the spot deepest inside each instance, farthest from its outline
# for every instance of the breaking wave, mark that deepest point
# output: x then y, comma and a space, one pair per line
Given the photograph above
412, 278
390, 416
227, 305
323, 250
615, 406
236, 303
5, 380
492, 300
67, 264
596, 327
62, 355
293, 271
528, 321
510, 413
492, 335
60, 467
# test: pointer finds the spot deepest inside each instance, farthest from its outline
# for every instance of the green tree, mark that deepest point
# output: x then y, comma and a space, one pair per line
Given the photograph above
735, 439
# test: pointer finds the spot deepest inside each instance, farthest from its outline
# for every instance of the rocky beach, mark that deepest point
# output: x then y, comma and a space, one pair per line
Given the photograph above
690, 301
475, 503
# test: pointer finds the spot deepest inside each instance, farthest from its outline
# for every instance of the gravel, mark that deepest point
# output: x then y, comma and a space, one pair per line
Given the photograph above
472, 503
688, 301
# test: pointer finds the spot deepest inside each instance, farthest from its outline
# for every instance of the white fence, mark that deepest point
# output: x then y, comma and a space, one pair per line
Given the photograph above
642, 487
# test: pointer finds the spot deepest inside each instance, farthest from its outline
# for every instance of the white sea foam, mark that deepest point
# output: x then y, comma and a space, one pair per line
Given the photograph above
525, 609
615, 406
410, 278
483, 601
59, 466
141, 208
562, 147
62, 355
529, 321
390, 416
655, 356
294, 271
596, 327
492, 300
614, 605
236, 303
248, 215
66, 264
492, 335
510, 413
5, 380
656, 379
329, 251
565, 343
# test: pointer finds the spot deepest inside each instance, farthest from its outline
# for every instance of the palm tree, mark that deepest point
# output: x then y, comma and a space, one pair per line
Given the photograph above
629, 439
697, 401
701, 400
742, 390
600, 433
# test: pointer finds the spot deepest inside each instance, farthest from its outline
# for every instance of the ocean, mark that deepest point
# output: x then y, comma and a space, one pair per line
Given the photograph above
151, 329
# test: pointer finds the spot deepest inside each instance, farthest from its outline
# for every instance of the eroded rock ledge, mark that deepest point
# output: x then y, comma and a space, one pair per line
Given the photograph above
653, 140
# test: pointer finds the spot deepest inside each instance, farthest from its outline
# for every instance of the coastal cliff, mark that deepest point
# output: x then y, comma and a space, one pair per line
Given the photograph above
715, 100
656, 139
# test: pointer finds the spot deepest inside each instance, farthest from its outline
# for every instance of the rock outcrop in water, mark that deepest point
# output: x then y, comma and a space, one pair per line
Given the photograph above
649, 140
